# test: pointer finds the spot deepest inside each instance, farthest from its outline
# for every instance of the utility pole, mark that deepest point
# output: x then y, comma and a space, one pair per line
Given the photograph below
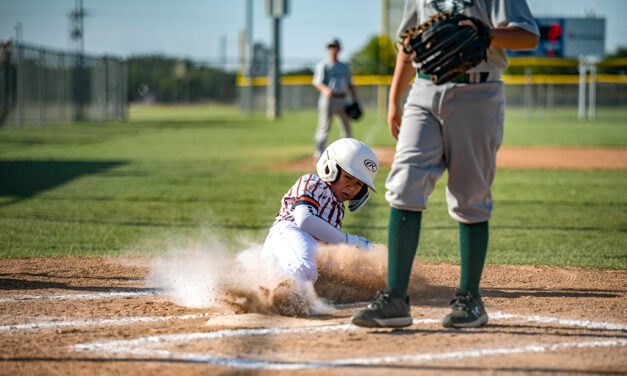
77, 17
383, 38
249, 53
18, 62
275, 9
18, 33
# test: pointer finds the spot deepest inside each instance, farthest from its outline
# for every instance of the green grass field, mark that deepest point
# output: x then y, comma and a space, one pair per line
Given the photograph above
173, 176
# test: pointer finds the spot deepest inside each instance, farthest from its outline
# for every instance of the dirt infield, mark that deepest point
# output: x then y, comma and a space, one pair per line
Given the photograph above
525, 157
98, 316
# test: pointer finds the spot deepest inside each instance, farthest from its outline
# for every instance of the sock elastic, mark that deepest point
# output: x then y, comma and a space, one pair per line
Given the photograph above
403, 235
473, 241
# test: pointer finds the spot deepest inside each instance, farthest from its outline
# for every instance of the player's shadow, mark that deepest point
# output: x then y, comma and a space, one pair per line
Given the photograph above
25, 284
75, 276
516, 329
512, 293
21, 179
146, 223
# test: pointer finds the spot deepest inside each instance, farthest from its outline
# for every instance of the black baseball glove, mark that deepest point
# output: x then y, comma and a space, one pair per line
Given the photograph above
353, 110
444, 49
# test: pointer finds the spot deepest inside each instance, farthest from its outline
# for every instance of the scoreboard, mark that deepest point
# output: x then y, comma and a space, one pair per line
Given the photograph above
568, 37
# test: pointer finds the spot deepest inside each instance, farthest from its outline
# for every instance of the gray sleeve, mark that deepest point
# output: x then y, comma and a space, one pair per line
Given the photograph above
318, 77
410, 17
513, 13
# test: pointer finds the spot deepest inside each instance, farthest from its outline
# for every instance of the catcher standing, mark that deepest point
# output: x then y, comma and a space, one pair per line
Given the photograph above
334, 80
450, 122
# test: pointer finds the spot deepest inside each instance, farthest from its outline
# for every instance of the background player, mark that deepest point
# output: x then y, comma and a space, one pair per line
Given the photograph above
457, 126
334, 80
313, 208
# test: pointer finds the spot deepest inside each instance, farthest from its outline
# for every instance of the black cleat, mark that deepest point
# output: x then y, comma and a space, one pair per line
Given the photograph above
384, 311
468, 311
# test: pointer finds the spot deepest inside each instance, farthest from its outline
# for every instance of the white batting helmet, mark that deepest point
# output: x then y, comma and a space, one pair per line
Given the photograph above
354, 157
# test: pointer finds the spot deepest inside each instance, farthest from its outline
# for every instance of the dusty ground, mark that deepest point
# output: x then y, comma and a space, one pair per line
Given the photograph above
543, 321
525, 157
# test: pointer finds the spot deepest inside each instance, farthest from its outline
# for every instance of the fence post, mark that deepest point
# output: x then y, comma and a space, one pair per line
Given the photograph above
592, 93
20, 85
61, 87
41, 87
105, 60
582, 88
273, 110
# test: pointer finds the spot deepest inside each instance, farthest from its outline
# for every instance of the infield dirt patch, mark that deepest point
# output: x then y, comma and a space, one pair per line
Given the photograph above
74, 315
522, 157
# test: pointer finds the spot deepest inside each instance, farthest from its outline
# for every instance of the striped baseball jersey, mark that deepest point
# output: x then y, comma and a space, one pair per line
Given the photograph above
312, 191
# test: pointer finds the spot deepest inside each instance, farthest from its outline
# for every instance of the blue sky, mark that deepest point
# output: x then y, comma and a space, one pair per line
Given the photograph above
197, 28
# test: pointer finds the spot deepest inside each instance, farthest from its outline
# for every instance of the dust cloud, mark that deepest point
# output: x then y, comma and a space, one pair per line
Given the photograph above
208, 276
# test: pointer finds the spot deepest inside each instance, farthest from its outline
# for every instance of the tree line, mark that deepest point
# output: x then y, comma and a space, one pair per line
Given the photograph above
166, 79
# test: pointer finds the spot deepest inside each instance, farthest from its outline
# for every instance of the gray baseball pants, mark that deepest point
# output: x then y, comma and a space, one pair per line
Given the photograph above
454, 127
327, 107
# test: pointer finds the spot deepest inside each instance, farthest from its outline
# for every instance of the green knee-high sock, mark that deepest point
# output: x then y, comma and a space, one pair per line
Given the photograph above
403, 234
473, 240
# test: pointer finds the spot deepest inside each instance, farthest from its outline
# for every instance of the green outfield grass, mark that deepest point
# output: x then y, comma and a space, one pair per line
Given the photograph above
173, 176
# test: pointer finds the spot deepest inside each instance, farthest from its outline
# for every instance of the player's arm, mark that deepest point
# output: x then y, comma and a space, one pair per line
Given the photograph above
324, 89
353, 91
322, 230
513, 38
318, 80
351, 86
404, 71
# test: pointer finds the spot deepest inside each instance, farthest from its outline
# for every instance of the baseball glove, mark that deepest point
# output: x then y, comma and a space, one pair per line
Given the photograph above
353, 110
444, 49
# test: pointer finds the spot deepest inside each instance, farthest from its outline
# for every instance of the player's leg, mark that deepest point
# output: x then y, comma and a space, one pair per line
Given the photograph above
418, 163
294, 250
325, 115
291, 255
472, 144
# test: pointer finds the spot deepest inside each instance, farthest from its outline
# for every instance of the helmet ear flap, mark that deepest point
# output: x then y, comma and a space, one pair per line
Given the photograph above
327, 168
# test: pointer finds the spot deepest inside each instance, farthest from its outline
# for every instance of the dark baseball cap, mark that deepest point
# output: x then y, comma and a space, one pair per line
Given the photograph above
334, 42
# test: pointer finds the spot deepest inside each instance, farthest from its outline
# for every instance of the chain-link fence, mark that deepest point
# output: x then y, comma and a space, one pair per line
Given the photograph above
300, 94
39, 85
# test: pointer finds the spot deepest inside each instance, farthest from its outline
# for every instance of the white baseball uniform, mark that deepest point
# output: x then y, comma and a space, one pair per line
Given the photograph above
309, 213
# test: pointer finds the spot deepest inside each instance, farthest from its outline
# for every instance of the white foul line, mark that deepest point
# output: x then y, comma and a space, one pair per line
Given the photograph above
404, 359
103, 322
91, 296
554, 320
147, 346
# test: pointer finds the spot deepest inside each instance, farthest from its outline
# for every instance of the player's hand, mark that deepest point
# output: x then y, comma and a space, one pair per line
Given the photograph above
467, 23
359, 242
395, 115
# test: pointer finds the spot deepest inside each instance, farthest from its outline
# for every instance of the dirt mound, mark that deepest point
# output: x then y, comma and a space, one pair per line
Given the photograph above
521, 157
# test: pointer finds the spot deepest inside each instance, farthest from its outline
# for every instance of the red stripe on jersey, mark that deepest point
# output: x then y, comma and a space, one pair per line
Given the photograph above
321, 188
308, 199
